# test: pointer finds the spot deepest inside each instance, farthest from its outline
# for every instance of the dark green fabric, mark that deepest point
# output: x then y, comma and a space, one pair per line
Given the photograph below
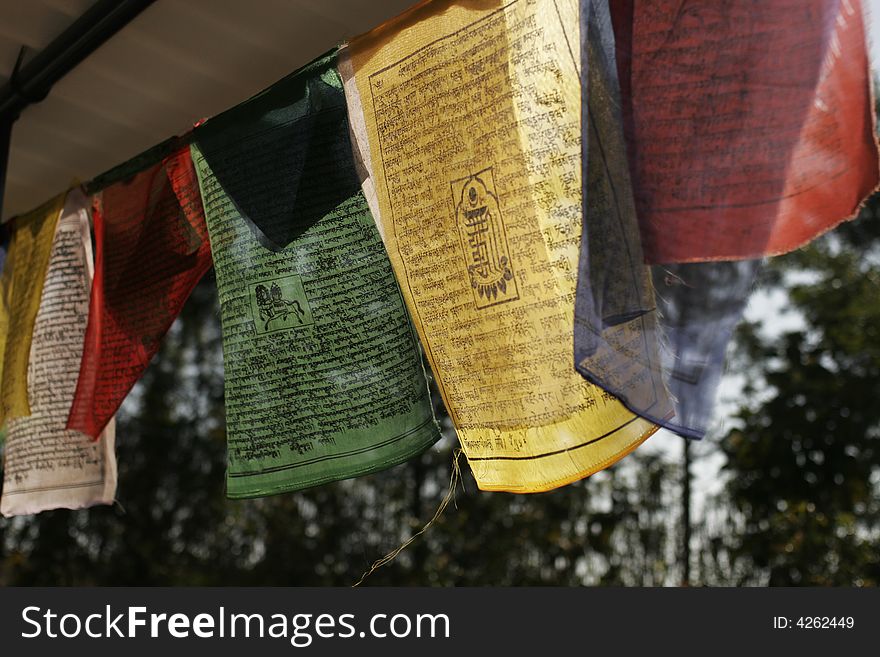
323, 373
138, 163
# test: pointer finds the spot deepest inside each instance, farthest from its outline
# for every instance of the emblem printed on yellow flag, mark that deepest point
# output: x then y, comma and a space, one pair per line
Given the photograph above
466, 119
45, 465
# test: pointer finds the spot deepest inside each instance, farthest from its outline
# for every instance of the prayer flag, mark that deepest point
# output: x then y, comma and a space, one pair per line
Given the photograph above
152, 249
750, 124
640, 329
324, 379
467, 121
24, 271
616, 334
46, 466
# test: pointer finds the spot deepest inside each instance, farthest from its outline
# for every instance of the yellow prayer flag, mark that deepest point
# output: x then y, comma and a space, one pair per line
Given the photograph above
467, 118
30, 244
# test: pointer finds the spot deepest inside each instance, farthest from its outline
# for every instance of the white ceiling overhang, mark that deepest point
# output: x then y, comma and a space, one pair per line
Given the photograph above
177, 62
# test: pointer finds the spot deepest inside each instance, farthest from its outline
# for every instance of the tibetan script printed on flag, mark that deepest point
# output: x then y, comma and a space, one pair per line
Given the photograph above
46, 466
467, 124
152, 250
30, 244
750, 124
324, 379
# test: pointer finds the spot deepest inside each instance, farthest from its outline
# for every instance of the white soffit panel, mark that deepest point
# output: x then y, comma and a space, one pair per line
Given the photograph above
177, 62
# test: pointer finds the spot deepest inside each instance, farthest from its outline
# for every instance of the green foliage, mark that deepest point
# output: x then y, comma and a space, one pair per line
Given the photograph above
804, 463
800, 503
172, 524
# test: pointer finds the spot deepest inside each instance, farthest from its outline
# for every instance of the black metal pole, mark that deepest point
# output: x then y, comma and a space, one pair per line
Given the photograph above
31, 82
686, 515
35, 78
5, 139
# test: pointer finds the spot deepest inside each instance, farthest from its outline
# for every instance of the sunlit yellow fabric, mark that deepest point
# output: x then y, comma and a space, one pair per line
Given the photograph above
30, 244
466, 119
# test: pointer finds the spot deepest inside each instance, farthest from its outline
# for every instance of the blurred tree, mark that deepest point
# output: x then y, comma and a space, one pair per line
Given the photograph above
803, 464
800, 506
170, 510
172, 524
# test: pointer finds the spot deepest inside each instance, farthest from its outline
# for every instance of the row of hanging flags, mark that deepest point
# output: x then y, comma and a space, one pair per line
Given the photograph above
564, 203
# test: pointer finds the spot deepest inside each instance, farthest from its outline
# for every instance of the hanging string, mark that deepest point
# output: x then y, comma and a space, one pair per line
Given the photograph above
454, 478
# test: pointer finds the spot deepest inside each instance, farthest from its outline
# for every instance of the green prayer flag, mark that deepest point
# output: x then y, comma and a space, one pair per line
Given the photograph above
324, 379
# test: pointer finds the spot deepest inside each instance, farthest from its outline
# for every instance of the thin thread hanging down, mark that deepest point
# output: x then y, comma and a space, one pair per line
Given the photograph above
454, 478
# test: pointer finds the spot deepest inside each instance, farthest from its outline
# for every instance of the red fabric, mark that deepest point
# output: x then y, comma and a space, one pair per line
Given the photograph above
152, 250
750, 124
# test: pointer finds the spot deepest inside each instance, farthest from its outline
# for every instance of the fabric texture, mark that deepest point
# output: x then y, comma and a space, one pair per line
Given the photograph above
46, 466
467, 124
152, 249
750, 125
324, 379
30, 244
617, 335
644, 330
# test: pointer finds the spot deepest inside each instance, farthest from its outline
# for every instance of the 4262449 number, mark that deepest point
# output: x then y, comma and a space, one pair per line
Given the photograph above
814, 622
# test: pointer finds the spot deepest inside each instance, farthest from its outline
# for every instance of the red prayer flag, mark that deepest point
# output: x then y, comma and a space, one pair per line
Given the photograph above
151, 250
750, 124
